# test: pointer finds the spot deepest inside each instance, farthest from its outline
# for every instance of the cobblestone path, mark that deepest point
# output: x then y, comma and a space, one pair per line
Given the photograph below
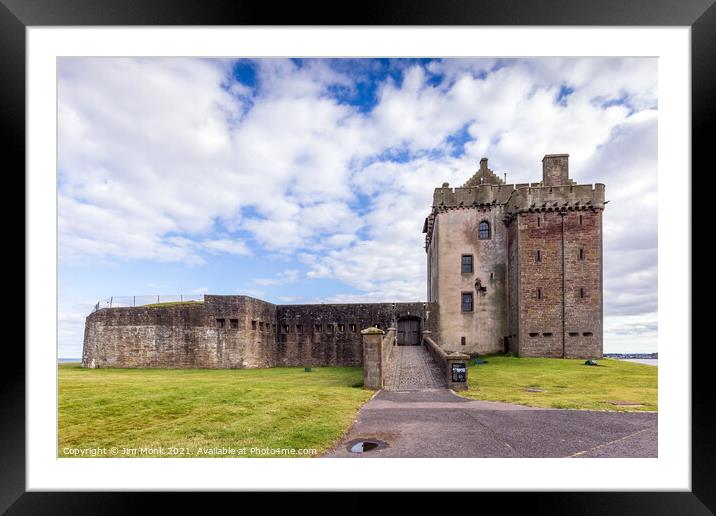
412, 368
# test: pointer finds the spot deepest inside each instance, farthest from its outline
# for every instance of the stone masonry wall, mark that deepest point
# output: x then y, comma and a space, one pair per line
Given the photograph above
583, 284
330, 334
237, 332
540, 284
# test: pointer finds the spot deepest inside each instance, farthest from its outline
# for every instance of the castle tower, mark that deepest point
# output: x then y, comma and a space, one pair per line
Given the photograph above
518, 267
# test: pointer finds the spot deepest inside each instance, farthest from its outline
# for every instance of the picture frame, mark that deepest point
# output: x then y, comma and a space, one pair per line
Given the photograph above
17, 15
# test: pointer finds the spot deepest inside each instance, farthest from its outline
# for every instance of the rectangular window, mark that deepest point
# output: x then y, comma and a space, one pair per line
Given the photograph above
253, 325
261, 326
234, 323
317, 328
538, 256
580, 220
539, 293
581, 293
538, 222
273, 327
581, 254
353, 328
221, 323
466, 263
467, 301
299, 328
284, 328
329, 328
341, 328
462, 341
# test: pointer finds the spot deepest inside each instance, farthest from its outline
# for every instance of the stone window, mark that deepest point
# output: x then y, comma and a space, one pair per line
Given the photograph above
587, 334
580, 220
534, 334
462, 341
466, 263
341, 328
574, 334
299, 328
221, 323
547, 334
581, 254
467, 301
484, 230
353, 328
273, 326
261, 326
317, 328
329, 328
581, 293
539, 293
538, 256
234, 323
253, 325
284, 328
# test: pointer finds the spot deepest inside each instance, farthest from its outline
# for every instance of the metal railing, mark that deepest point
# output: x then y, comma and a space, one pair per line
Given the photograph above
144, 300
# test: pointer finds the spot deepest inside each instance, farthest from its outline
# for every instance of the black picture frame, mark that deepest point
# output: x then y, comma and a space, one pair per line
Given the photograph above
17, 15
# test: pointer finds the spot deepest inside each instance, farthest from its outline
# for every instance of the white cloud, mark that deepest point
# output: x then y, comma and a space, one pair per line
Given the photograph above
283, 278
171, 160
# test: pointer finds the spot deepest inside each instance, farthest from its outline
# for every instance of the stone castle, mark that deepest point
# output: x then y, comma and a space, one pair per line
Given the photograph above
511, 268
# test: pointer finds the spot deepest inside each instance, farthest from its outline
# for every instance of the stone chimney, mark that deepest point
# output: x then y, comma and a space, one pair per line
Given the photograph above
555, 170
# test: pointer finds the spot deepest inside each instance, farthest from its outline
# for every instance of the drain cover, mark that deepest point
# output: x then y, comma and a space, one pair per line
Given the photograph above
365, 445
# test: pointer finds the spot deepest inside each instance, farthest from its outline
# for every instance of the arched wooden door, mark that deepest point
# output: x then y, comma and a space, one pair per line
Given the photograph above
408, 331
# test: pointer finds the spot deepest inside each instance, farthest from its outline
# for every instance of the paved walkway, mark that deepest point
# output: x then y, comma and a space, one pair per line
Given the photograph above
438, 423
412, 368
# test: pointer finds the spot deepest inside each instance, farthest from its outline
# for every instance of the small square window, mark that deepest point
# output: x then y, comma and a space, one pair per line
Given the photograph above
299, 328
234, 323
221, 323
341, 328
317, 328
467, 301
466, 263
353, 328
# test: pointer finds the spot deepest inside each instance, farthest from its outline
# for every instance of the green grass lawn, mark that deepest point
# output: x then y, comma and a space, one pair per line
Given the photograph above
193, 408
172, 303
566, 383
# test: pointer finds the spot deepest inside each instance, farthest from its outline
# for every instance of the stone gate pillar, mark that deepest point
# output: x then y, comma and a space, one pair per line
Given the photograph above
372, 357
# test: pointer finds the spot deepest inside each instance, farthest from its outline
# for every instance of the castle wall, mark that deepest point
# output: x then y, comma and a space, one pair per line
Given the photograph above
565, 318
180, 336
540, 284
326, 334
485, 327
513, 289
237, 332
583, 315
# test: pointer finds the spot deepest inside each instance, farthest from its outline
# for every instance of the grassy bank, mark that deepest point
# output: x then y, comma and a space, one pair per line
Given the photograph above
566, 383
205, 408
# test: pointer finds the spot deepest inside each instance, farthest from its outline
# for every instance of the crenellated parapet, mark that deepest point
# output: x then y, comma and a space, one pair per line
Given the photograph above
534, 198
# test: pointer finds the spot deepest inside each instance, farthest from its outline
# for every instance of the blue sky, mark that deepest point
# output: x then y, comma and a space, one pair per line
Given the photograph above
308, 180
